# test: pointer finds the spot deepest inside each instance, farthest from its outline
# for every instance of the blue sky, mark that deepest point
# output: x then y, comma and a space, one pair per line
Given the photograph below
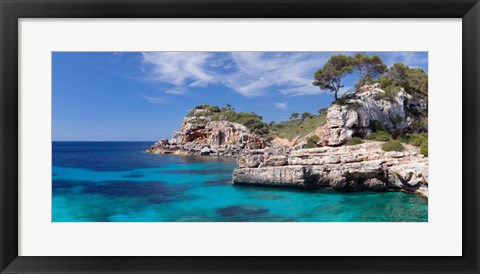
143, 96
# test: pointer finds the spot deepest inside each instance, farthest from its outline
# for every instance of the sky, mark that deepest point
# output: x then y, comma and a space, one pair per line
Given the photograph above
144, 96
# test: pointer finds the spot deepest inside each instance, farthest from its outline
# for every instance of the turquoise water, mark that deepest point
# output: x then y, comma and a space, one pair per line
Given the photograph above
118, 182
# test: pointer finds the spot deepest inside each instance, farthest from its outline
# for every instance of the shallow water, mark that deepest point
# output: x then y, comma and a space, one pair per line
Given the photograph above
117, 181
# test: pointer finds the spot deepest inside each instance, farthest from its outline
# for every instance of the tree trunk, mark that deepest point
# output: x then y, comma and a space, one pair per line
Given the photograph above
336, 98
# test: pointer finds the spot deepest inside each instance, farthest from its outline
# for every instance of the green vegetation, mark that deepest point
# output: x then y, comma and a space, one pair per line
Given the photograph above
346, 102
420, 124
330, 76
251, 120
371, 69
294, 115
381, 136
287, 129
312, 141
379, 133
201, 110
390, 93
416, 139
354, 141
376, 125
424, 149
306, 115
368, 70
368, 67
392, 145
297, 128
413, 80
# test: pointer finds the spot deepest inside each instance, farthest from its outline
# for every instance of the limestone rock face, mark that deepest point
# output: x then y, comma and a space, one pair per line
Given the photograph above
201, 136
354, 113
363, 166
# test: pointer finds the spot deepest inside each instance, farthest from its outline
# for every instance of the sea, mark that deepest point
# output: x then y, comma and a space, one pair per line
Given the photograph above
119, 182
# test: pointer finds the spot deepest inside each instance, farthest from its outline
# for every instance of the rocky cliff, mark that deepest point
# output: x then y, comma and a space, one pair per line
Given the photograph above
199, 135
354, 114
358, 167
333, 164
209, 130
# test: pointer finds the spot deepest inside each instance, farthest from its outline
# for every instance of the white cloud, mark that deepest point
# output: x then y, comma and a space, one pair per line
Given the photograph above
178, 68
156, 100
251, 74
282, 105
248, 73
177, 90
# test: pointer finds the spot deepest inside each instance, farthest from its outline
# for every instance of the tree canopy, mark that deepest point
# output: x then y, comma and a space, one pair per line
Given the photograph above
413, 80
368, 67
330, 76
306, 115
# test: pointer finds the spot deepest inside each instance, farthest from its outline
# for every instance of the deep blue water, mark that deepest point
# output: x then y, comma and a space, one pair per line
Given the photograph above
117, 181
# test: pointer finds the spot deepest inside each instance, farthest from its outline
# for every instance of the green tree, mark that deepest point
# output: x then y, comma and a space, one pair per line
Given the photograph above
330, 76
413, 80
396, 76
306, 115
323, 111
294, 115
417, 81
368, 67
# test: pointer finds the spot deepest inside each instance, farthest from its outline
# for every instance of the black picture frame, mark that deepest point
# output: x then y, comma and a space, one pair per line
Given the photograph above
12, 10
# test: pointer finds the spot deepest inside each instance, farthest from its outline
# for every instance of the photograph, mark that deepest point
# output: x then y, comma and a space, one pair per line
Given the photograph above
240, 136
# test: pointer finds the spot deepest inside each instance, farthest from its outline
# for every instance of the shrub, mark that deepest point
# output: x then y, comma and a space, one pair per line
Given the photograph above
424, 149
207, 111
414, 80
376, 125
381, 136
420, 124
354, 141
390, 93
312, 141
348, 103
414, 139
297, 128
417, 139
392, 145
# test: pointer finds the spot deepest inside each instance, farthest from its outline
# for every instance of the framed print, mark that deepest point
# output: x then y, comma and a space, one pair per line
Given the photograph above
237, 136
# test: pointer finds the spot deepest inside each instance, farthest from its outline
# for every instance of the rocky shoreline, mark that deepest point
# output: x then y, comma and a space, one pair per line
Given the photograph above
333, 163
347, 168
199, 135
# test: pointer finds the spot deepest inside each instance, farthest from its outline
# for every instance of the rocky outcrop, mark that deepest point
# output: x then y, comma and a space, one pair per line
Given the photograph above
354, 114
365, 166
199, 135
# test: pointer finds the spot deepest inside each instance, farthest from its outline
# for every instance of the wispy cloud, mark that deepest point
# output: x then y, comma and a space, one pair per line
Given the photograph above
251, 74
178, 68
248, 73
156, 100
177, 90
282, 105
